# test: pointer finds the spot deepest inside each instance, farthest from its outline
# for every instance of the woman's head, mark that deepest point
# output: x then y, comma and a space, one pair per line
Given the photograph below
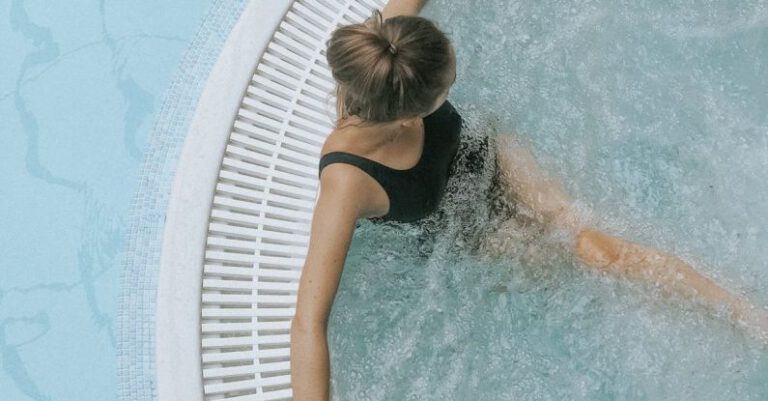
390, 69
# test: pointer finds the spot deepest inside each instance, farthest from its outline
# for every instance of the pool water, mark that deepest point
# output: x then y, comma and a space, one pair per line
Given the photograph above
81, 88
652, 115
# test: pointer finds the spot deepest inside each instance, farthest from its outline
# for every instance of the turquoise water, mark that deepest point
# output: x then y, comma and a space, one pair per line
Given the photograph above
80, 85
653, 116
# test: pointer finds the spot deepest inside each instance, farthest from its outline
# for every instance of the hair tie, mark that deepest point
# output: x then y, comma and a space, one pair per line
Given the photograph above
392, 48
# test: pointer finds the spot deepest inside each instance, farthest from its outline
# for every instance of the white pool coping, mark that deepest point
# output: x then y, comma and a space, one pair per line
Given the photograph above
177, 347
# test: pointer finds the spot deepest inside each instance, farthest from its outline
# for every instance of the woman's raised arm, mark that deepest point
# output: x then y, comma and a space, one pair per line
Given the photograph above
402, 7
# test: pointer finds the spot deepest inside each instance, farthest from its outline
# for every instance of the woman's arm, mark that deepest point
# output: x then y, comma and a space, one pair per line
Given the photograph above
402, 7
332, 227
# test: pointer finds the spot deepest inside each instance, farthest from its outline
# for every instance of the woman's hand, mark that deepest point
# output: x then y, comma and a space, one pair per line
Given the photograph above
402, 7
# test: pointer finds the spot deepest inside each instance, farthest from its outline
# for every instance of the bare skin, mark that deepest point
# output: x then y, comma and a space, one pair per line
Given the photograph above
346, 194
524, 181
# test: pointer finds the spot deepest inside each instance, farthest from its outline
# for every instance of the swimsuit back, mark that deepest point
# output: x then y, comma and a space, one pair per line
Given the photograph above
416, 192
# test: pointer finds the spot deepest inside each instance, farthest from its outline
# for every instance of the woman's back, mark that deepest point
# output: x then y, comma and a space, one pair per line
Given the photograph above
410, 193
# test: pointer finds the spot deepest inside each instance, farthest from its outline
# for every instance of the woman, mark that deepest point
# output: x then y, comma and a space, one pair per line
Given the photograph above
389, 158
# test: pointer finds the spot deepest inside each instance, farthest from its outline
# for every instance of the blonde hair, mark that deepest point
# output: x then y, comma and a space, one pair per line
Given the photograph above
388, 69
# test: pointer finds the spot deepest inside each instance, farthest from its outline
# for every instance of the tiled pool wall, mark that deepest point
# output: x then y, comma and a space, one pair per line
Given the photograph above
95, 98
140, 258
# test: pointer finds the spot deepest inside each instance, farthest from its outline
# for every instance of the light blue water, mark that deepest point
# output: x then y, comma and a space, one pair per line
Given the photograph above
80, 85
653, 116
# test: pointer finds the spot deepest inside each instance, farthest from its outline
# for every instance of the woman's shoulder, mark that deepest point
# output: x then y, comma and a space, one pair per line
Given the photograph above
346, 183
331, 143
347, 141
352, 139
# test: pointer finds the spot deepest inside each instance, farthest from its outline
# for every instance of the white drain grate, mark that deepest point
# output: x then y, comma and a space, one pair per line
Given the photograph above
259, 212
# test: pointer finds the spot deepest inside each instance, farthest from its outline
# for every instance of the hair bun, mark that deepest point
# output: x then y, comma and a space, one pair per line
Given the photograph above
375, 79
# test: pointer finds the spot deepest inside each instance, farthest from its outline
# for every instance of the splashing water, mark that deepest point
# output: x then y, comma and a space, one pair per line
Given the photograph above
652, 115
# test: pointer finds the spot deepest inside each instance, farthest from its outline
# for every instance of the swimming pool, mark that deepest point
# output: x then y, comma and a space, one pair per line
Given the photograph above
652, 115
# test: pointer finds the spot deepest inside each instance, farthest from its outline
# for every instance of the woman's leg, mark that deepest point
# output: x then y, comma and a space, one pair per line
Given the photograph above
524, 181
608, 253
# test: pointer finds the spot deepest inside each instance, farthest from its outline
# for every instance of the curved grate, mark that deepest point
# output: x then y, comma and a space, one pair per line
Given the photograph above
259, 223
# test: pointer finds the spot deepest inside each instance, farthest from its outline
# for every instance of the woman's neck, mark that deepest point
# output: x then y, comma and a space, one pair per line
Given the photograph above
369, 134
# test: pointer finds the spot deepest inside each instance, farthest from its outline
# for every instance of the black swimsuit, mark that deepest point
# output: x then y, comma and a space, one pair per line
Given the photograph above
416, 192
